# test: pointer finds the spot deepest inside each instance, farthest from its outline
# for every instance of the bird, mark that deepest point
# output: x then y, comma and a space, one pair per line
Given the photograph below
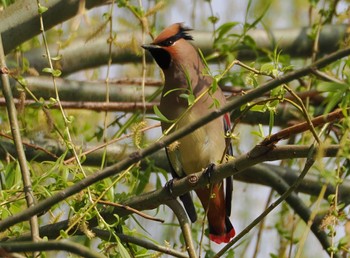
186, 78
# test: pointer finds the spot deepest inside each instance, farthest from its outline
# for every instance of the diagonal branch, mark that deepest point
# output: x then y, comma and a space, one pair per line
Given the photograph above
286, 192
139, 155
302, 127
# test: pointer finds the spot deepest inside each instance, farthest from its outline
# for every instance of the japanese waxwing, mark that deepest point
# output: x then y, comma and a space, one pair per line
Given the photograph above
185, 74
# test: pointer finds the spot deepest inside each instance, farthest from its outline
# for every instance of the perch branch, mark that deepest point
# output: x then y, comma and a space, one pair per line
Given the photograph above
139, 155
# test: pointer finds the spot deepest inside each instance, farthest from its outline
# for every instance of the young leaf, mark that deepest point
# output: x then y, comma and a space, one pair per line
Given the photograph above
223, 29
53, 72
176, 89
191, 98
42, 9
160, 116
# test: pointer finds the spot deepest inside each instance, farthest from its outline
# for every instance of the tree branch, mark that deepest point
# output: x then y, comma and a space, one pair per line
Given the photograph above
93, 106
139, 155
286, 192
55, 245
154, 199
20, 21
181, 216
106, 235
17, 139
72, 90
295, 42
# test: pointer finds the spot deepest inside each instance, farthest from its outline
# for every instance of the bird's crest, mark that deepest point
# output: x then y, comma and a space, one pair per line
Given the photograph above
172, 34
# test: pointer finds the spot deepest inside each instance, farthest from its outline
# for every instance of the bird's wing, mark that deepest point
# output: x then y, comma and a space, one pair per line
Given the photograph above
186, 198
229, 151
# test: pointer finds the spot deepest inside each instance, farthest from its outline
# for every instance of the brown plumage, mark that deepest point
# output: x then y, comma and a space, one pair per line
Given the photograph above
184, 72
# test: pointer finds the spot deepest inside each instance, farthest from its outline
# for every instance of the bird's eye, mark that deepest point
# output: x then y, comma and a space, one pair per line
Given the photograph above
168, 43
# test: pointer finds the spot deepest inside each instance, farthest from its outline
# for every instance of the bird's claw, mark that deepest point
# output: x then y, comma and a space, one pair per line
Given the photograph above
208, 171
169, 186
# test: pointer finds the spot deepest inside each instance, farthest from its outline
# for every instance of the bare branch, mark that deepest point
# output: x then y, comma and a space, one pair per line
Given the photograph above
181, 215
17, 139
20, 21
295, 42
55, 245
72, 90
106, 235
93, 106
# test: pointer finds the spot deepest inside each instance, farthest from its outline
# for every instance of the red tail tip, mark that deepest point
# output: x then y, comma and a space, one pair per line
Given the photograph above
223, 238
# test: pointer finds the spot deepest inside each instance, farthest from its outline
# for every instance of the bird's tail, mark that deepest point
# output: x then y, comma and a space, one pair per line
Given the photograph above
222, 238
220, 227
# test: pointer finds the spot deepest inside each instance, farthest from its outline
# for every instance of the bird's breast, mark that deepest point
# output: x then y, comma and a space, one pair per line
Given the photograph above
197, 150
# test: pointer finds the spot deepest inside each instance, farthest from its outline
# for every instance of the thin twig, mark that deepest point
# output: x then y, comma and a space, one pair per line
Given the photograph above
308, 164
111, 142
181, 215
34, 146
261, 226
315, 210
108, 236
305, 113
144, 215
326, 77
22, 160
302, 127
110, 42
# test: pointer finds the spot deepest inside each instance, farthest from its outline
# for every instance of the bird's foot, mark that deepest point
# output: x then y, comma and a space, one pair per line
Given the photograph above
209, 170
169, 186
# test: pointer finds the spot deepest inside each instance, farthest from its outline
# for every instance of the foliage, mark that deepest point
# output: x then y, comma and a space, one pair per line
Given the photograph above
66, 146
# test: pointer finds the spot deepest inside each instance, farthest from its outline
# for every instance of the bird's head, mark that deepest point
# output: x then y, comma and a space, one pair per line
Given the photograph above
170, 45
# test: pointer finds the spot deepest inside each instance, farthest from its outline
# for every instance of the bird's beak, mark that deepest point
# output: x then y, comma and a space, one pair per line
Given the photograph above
150, 46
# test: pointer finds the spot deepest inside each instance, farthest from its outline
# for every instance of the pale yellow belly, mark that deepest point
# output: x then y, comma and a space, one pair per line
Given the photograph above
196, 151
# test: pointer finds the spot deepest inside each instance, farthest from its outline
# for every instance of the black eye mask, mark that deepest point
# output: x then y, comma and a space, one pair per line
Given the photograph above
181, 34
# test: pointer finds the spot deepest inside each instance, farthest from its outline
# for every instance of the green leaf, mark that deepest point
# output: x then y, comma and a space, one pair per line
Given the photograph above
63, 234
160, 116
184, 95
267, 68
258, 108
122, 251
204, 60
332, 86
191, 98
216, 103
42, 9
213, 19
249, 41
22, 81
214, 86
56, 73
176, 89
56, 58
333, 101
143, 179
53, 72
226, 27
